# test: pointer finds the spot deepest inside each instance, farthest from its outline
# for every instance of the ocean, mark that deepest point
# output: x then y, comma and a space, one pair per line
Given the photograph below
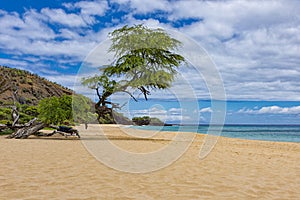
278, 133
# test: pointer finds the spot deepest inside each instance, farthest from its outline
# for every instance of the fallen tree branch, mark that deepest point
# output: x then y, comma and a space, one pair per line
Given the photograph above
26, 131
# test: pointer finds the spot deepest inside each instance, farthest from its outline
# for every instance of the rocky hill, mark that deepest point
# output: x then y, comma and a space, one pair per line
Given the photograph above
31, 87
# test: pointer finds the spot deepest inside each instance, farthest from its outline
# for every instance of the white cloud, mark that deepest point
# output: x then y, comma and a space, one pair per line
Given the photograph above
272, 110
153, 112
206, 110
30, 34
14, 27
61, 17
175, 110
170, 115
89, 9
68, 80
280, 110
68, 34
4, 62
92, 7
145, 6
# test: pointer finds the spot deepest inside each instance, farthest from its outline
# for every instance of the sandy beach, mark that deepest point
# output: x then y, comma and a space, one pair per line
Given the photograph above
62, 168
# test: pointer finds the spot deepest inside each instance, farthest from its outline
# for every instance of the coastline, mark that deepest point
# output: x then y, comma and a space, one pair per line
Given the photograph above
59, 168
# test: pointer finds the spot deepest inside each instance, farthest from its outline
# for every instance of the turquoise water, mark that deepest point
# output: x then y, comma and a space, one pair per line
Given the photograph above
280, 133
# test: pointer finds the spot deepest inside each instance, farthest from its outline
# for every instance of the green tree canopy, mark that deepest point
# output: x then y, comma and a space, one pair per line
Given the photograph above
82, 112
144, 59
58, 110
55, 110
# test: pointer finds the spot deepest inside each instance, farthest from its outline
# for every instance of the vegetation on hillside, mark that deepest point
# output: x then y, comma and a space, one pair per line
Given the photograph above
31, 87
27, 113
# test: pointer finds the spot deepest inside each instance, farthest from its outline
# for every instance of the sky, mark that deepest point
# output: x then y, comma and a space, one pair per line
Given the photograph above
254, 46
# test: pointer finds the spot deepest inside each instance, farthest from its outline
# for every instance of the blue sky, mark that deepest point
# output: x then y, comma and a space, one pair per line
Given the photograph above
254, 45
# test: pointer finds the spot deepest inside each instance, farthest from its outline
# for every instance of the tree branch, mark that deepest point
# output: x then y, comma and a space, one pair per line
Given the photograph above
98, 93
144, 91
129, 95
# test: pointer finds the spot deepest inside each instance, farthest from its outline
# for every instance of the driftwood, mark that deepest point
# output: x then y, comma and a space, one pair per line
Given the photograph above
32, 127
3, 126
23, 131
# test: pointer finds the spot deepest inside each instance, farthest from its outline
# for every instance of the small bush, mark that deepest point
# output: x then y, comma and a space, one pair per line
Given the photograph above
5, 121
29, 81
6, 132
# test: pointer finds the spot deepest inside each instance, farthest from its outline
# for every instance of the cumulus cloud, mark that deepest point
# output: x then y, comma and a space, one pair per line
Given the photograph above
206, 110
61, 17
272, 110
92, 7
14, 27
89, 9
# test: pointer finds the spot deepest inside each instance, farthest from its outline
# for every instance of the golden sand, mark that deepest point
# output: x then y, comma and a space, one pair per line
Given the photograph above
62, 168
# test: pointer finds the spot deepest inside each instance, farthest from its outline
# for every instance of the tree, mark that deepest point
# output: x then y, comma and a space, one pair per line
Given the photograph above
144, 59
56, 110
82, 112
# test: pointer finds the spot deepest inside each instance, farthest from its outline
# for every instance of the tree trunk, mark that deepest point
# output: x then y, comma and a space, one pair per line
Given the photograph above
105, 114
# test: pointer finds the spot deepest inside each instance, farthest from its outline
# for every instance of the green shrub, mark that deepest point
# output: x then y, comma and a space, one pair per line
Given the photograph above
5, 113
29, 81
6, 132
5, 121
55, 110
106, 119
